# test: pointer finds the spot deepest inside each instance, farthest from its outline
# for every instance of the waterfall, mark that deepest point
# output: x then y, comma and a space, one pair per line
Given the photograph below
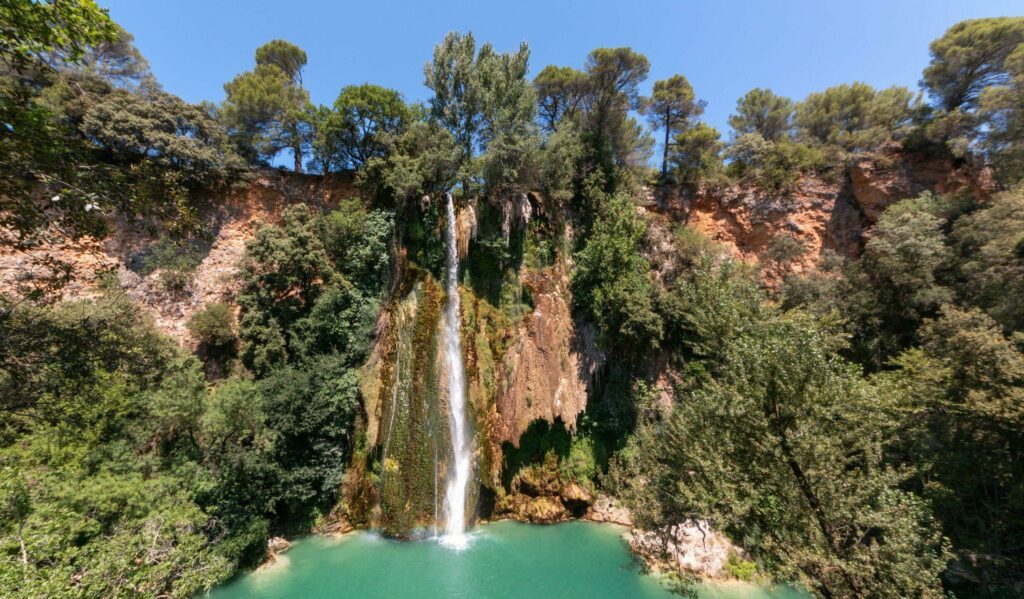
458, 474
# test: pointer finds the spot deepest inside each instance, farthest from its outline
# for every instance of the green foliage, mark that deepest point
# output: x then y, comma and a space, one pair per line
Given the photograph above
762, 112
962, 394
696, 155
670, 108
988, 244
352, 132
796, 470
969, 57
485, 101
30, 29
614, 76
176, 263
214, 325
740, 569
854, 117
611, 283
89, 130
776, 167
267, 110
560, 95
161, 128
284, 55
782, 249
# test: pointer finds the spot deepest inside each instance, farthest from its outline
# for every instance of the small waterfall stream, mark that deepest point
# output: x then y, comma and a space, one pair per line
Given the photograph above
459, 472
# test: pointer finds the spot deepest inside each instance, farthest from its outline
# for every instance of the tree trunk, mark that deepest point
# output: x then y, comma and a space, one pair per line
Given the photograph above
664, 156
816, 507
298, 158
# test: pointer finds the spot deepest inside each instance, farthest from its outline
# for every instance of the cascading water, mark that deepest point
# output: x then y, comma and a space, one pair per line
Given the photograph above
458, 474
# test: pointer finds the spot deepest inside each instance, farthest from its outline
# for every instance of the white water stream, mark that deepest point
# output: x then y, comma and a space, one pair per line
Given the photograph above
459, 473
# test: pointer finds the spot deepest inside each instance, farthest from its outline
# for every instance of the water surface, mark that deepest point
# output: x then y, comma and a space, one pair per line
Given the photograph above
505, 560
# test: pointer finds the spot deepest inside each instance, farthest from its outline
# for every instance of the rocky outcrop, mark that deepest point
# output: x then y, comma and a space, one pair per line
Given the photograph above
539, 494
230, 219
550, 362
691, 546
880, 179
822, 214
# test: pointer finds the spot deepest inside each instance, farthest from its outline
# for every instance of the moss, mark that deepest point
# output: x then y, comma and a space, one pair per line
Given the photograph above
412, 433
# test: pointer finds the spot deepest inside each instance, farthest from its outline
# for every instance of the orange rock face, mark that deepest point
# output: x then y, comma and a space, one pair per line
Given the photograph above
232, 220
822, 214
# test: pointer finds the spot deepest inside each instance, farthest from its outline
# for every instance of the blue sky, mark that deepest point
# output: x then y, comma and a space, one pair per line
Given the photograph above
723, 47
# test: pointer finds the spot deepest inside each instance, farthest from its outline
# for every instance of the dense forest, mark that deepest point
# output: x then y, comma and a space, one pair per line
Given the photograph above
857, 428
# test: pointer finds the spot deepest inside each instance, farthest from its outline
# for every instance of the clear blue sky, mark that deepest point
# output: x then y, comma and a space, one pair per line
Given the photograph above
724, 47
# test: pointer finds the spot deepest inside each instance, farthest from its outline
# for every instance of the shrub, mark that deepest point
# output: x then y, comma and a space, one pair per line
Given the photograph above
214, 325
176, 263
773, 166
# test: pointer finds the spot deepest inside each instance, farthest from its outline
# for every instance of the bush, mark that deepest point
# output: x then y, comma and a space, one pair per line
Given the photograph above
176, 263
214, 325
739, 568
774, 166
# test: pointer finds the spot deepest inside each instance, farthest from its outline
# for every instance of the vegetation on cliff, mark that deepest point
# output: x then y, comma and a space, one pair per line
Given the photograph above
856, 429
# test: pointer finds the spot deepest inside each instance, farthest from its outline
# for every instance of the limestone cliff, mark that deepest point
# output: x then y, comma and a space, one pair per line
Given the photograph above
823, 214
230, 221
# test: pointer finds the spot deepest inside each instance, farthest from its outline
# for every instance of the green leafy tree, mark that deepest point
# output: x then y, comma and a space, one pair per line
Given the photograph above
970, 57
762, 112
775, 166
352, 132
990, 248
485, 101
1001, 107
611, 282
796, 470
854, 117
267, 109
284, 55
614, 76
214, 325
670, 108
961, 403
696, 155
561, 92
284, 271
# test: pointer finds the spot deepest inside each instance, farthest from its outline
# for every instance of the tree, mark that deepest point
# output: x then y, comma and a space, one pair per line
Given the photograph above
117, 61
854, 117
352, 133
614, 75
762, 112
611, 282
284, 271
670, 108
15, 506
1001, 107
796, 470
284, 55
214, 325
458, 97
560, 95
970, 57
485, 101
696, 154
990, 254
29, 30
161, 128
267, 109
962, 393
